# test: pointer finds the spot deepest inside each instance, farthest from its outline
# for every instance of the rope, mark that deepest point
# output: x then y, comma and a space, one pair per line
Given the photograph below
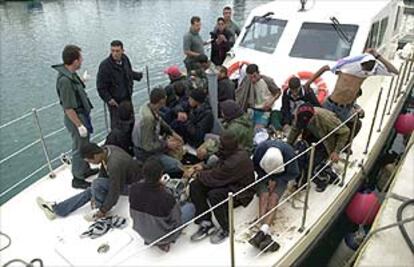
8, 239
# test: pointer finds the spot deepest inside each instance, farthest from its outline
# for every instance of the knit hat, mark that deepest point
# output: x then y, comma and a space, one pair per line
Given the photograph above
198, 95
230, 110
304, 113
173, 71
272, 161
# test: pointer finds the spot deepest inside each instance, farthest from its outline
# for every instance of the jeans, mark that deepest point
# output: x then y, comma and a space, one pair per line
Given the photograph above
187, 212
97, 191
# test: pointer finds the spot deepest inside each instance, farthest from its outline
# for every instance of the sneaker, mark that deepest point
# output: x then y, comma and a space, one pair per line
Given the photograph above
91, 172
256, 239
219, 236
164, 247
320, 184
205, 229
269, 244
80, 183
47, 208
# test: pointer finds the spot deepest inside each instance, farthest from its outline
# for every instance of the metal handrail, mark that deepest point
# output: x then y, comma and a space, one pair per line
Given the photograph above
47, 106
30, 112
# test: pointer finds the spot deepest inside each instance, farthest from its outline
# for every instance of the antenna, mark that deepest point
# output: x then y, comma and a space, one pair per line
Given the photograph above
303, 5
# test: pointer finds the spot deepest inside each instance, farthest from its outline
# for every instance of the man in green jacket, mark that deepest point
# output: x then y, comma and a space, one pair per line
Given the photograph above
235, 122
77, 107
314, 123
148, 132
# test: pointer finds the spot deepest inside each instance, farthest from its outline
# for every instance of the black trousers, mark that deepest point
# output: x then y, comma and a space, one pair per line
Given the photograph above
200, 194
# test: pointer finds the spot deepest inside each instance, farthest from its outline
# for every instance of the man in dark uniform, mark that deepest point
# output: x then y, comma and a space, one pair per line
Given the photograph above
115, 80
77, 107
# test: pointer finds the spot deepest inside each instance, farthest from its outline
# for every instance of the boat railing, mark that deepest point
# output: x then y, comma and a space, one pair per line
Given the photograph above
42, 137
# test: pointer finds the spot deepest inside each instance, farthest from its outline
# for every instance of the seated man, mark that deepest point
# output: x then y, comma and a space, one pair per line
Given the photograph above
154, 210
175, 76
233, 172
147, 132
225, 87
269, 159
257, 92
198, 77
118, 170
193, 126
235, 122
314, 123
293, 97
120, 135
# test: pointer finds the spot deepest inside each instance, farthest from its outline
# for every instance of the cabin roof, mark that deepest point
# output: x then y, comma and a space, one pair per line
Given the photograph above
321, 10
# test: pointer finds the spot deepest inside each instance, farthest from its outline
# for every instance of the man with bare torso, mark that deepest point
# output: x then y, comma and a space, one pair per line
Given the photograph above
352, 72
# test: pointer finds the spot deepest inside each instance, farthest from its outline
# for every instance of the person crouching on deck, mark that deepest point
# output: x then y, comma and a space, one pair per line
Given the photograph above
314, 124
269, 159
233, 172
118, 170
153, 208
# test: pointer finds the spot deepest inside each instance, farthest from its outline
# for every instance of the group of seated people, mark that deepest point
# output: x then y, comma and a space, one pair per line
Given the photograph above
138, 152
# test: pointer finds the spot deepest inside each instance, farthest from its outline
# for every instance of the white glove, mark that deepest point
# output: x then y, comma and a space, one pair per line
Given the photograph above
86, 76
83, 132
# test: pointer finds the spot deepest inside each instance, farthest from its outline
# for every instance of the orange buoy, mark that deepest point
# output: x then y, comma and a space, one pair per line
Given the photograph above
236, 67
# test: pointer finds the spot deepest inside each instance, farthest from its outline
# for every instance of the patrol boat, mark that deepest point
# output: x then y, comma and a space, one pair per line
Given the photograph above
283, 38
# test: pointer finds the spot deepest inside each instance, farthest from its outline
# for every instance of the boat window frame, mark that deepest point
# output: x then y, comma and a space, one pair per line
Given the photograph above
353, 28
281, 23
382, 31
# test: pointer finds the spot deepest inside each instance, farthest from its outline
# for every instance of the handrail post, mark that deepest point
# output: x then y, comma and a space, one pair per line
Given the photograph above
373, 121
410, 61
148, 80
384, 109
42, 140
348, 153
106, 117
402, 78
393, 94
231, 228
397, 83
308, 184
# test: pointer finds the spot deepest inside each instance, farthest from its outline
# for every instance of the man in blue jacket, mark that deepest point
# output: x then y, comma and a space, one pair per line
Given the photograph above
269, 159
115, 80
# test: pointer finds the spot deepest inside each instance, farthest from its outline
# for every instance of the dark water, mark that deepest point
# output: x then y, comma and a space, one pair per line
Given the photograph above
32, 40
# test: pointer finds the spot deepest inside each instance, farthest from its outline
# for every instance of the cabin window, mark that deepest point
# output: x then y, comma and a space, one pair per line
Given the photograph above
263, 34
323, 41
383, 29
397, 17
373, 35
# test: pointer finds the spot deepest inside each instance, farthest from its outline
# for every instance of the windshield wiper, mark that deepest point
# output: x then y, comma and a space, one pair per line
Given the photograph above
338, 28
255, 19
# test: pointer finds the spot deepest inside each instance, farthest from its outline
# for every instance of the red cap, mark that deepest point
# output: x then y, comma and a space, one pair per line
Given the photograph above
173, 71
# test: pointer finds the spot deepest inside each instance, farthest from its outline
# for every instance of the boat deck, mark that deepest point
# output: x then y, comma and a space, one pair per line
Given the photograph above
57, 242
